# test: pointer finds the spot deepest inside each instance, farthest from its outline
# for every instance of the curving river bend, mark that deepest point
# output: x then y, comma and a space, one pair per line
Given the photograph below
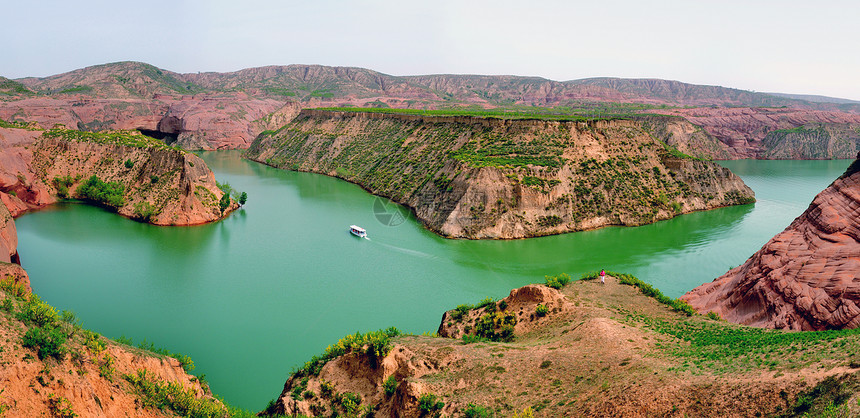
257, 294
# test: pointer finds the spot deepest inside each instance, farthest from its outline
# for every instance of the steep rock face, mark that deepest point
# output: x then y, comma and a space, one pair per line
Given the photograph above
20, 189
161, 185
468, 177
8, 237
805, 278
197, 122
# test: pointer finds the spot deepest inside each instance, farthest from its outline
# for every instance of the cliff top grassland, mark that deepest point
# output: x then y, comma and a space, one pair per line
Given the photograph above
586, 349
128, 138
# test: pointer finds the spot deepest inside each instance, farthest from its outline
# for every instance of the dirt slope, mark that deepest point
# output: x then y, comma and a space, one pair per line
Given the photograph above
600, 350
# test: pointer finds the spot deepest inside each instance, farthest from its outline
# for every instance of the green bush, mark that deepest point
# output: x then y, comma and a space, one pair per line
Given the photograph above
429, 403
390, 385
37, 312
153, 179
488, 303
145, 211
62, 185
47, 341
557, 282
111, 194
498, 326
173, 396
651, 291
460, 311
129, 163
224, 203
476, 411
715, 316
12, 287
541, 310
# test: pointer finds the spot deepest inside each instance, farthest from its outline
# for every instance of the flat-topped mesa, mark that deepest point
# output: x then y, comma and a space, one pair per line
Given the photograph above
805, 278
476, 177
137, 176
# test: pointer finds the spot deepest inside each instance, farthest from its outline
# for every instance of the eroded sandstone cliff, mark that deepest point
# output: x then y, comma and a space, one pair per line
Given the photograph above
159, 184
806, 277
472, 177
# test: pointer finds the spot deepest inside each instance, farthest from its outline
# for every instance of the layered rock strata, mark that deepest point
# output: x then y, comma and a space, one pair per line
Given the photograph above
471, 177
806, 277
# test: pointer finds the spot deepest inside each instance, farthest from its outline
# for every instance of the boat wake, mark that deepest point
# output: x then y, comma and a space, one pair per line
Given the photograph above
407, 251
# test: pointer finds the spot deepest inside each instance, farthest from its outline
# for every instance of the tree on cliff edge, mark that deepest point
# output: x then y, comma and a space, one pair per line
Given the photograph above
224, 203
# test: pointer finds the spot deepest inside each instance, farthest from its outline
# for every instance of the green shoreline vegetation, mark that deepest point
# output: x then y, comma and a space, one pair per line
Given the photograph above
602, 111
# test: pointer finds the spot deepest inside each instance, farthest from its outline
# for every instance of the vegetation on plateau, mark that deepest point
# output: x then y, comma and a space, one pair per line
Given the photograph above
126, 138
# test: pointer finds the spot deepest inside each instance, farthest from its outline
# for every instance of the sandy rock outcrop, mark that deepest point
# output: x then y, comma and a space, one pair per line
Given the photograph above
176, 187
520, 304
806, 277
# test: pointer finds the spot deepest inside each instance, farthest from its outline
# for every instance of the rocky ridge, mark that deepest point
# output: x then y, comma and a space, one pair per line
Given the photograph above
804, 278
223, 110
473, 177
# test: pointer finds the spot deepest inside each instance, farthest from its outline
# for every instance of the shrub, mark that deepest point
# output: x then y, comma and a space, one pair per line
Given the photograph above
224, 203
47, 341
390, 386
60, 407
111, 194
429, 403
173, 396
488, 303
153, 179
243, 198
145, 212
497, 326
475, 411
34, 311
129, 163
651, 291
541, 310
62, 185
715, 316
13, 288
460, 311
557, 282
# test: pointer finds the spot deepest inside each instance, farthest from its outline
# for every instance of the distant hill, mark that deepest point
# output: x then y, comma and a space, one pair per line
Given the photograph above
306, 83
815, 98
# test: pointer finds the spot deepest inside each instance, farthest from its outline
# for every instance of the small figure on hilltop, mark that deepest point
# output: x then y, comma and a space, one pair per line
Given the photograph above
602, 276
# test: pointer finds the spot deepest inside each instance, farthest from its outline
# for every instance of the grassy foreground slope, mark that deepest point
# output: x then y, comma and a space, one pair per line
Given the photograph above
490, 177
588, 349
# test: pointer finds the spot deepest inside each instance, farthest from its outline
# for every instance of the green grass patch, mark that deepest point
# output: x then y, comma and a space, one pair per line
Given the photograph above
126, 138
172, 396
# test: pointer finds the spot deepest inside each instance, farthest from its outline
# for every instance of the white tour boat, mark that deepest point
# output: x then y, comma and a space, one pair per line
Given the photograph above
357, 231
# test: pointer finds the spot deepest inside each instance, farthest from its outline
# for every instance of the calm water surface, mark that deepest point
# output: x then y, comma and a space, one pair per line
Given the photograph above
255, 295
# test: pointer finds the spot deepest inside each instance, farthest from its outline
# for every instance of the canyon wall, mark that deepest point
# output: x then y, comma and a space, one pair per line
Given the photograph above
804, 278
471, 177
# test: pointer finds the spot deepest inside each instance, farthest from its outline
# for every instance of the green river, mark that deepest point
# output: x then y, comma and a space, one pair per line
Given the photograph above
255, 295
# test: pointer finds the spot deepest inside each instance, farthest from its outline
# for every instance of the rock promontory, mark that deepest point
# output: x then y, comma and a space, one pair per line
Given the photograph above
805, 278
484, 177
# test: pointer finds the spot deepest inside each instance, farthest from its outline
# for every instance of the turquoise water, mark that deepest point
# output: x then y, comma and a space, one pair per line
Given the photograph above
255, 295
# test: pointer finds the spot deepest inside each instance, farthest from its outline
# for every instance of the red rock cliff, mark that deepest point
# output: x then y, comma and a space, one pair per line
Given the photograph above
805, 278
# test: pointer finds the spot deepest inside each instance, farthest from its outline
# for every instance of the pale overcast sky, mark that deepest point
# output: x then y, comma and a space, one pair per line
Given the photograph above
763, 45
